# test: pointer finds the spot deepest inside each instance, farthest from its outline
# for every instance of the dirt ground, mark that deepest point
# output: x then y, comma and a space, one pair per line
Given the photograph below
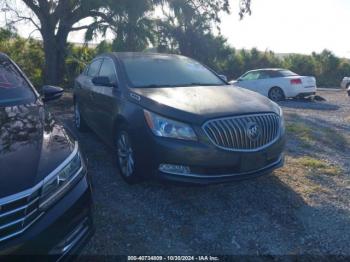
303, 208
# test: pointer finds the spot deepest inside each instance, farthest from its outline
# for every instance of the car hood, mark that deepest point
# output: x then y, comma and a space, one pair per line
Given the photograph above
199, 103
32, 144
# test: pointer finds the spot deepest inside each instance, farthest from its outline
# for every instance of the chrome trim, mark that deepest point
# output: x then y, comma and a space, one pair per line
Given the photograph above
27, 194
62, 188
19, 209
280, 159
76, 236
62, 165
23, 229
239, 137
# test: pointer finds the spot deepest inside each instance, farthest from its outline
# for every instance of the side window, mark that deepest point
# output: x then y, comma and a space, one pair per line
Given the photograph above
94, 68
108, 69
274, 74
251, 76
263, 75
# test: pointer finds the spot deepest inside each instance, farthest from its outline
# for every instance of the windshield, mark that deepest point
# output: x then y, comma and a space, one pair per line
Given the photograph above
166, 71
14, 89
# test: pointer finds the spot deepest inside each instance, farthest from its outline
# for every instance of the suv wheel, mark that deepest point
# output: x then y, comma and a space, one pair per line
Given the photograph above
80, 123
276, 94
126, 157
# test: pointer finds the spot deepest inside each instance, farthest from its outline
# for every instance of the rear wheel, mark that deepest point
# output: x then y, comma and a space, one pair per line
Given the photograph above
126, 157
80, 123
276, 94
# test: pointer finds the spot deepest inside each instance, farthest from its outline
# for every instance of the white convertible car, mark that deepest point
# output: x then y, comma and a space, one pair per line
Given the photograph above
277, 84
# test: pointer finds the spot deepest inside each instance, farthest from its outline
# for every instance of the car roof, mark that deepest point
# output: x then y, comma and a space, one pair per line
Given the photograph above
122, 55
267, 69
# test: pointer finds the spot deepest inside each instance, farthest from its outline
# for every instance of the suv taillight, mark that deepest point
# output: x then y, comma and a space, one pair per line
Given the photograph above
296, 81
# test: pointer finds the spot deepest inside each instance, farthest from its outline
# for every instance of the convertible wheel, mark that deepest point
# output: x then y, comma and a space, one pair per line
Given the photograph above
126, 157
79, 121
276, 94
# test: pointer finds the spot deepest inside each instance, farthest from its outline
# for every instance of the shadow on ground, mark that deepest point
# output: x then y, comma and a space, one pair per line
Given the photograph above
309, 104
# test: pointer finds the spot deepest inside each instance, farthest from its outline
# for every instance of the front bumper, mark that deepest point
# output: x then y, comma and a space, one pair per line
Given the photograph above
206, 162
220, 178
61, 231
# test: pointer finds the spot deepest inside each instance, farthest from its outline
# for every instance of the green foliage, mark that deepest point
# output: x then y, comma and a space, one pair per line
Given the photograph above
211, 50
27, 53
77, 59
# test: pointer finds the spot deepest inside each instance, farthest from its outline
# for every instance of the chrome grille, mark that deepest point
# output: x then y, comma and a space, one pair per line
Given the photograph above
244, 133
19, 212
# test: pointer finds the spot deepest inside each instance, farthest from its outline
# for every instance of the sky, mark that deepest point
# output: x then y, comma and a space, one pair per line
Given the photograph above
282, 26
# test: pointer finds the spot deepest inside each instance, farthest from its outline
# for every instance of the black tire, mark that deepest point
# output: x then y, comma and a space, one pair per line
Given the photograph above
348, 89
79, 121
127, 157
276, 94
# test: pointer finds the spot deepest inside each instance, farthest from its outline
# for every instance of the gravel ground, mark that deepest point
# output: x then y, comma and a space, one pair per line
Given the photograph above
303, 208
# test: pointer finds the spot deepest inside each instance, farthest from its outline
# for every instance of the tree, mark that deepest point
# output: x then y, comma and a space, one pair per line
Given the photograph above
55, 19
188, 21
130, 22
28, 53
129, 19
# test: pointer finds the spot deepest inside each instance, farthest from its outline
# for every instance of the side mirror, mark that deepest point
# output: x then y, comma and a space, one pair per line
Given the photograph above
223, 77
103, 81
51, 93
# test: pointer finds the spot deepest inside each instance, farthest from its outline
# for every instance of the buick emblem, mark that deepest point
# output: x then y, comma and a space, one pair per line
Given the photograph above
253, 131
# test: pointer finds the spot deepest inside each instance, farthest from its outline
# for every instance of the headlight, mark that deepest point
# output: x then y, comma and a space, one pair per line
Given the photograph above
61, 179
165, 127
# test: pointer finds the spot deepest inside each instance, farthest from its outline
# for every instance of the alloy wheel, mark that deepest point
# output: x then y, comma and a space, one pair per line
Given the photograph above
276, 94
125, 155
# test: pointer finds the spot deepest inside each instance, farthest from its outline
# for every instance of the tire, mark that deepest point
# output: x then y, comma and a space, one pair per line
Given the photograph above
127, 157
79, 121
276, 94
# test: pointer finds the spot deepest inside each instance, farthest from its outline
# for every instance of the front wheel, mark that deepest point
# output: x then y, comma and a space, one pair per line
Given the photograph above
276, 94
126, 157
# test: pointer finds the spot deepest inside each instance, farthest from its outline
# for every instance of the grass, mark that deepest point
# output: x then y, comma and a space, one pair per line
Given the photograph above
317, 166
305, 174
310, 136
302, 131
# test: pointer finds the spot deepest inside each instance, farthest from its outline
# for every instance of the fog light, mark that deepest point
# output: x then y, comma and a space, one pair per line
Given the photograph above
174, 169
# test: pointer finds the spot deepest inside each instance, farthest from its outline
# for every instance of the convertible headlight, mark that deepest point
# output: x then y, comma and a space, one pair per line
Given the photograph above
165, 127
62, 179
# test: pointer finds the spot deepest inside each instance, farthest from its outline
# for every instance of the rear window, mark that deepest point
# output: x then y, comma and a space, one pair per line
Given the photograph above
14, 89
286, 73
